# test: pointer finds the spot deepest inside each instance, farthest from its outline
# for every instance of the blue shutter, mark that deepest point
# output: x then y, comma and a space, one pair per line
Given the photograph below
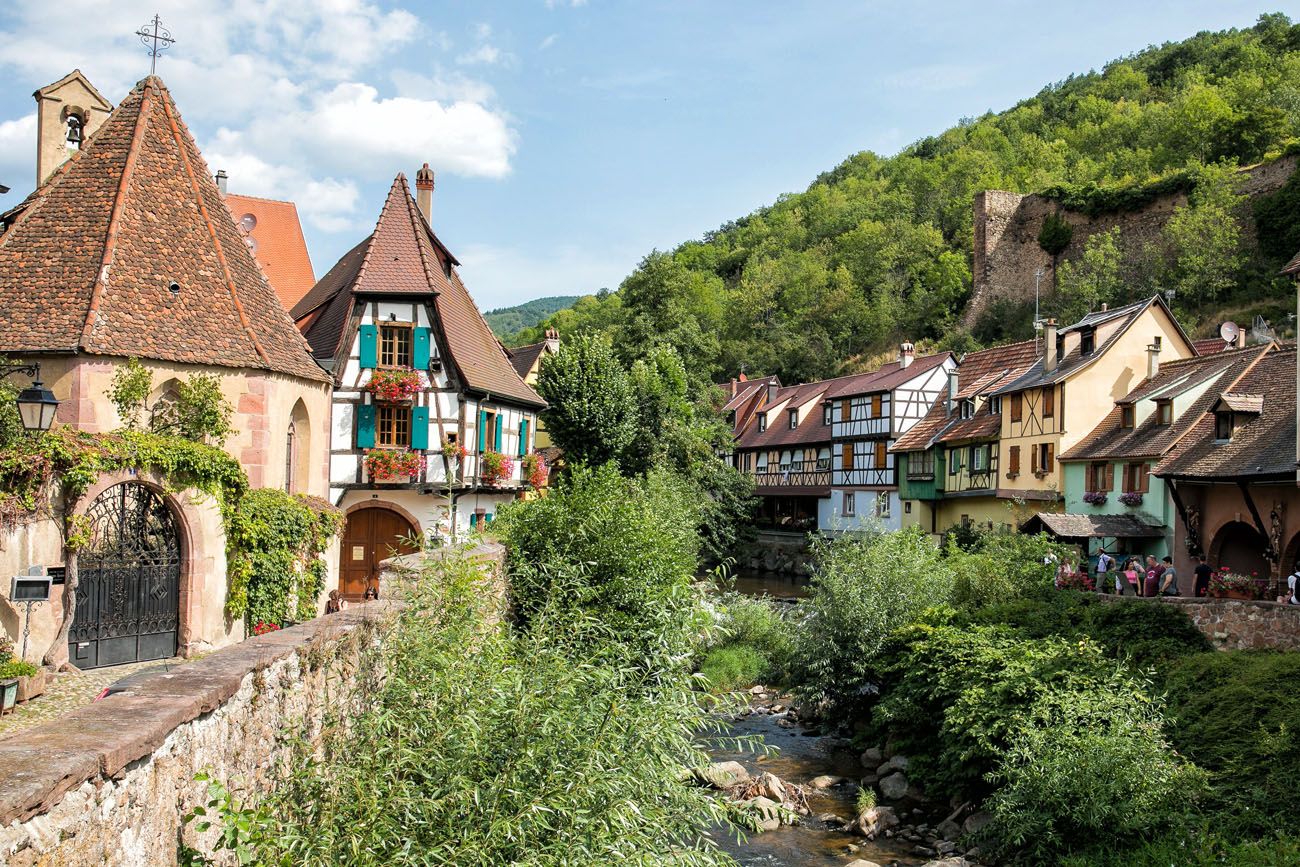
523, 438
473, 520
496, 447
366, 427
487, 519
420, 349
420, 427
369, 346
482, 429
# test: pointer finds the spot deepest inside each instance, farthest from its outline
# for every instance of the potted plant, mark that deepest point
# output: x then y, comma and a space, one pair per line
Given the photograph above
395, 386
536, 470
1095, 498
1230, 585
262, 627
452, 450
495, 468
1131, 498
386, 465
31, 678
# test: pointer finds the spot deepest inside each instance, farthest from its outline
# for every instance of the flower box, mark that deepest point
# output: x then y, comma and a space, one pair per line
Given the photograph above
31, 686
1229, 585
387, 465
495, 468
536, 471
454, 451
395, 386
1095, 498
1131, 498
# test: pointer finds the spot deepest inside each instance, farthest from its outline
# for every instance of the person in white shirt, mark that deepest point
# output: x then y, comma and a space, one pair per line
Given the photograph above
1104, 564
1291, 582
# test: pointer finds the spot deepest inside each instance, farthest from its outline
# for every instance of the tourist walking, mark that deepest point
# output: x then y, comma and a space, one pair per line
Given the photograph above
1203, 573
1169, 580
1132, 578
1105, 565
1151, 584
1292, 580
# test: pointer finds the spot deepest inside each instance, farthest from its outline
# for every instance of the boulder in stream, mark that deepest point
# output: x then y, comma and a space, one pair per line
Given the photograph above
770, 786
872, 758
767, 813
862, 862
893, 787
722, 775
874, 821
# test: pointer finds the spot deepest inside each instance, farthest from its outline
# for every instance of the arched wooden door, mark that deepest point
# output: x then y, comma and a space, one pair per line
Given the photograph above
370, 537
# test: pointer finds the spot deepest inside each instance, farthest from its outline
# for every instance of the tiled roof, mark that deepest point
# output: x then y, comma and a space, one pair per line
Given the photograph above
1103, 526
1074, 360
1262, 446
1110, 441
810, 431
885, 378
747, 389
1211, 345
979, 374
1292, 267
403, 257
89, 259
277, 244
522, 358
1242, 402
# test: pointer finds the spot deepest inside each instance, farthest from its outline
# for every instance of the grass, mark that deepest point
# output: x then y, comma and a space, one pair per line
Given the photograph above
733, 667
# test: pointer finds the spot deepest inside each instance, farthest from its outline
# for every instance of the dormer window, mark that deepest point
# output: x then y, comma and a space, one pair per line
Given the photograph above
967, 408
995, 404
828, 410
1223, 423
762, 422
1087, 341
794, 418
1164, 412
1126, 416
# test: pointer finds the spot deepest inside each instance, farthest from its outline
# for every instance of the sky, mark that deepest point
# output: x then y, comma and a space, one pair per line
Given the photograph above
569, 137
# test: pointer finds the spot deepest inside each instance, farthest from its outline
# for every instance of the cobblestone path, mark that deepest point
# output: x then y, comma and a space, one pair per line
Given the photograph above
67, 691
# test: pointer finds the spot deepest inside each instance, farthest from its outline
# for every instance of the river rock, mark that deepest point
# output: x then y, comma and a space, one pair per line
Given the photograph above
826, 781
897, 763
767, 813
893, 787
954, 861
770, 786
862, 862
757, 690
975, 822
831, 819
949, 830
874, 821
872, 757
722, 775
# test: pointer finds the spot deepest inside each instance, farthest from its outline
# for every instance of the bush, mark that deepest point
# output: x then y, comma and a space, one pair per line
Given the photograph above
863, 588
17, 668
733, 667
1088, 763
1002, 566
758, 625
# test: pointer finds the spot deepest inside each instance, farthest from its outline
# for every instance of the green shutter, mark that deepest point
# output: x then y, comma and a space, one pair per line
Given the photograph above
523, 438
482, 429
420, 427
496, 447
473, 519
420, 349
369, 346
366, 427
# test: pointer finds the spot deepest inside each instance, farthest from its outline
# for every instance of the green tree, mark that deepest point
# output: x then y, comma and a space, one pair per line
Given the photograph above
592, 413
1204, 239
197, 411
1096, 277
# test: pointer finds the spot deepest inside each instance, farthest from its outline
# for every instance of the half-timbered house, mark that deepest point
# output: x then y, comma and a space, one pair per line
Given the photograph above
430, 419
784, 443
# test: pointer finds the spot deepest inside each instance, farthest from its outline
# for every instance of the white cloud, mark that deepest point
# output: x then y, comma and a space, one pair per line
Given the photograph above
548, 42
17, 156
488, 54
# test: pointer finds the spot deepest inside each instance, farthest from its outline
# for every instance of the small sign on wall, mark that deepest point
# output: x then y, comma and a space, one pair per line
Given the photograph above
358, 552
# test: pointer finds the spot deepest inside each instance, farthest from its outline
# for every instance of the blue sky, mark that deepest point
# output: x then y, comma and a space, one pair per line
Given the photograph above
570, 137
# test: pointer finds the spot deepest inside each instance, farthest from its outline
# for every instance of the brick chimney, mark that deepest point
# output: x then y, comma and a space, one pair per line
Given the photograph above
552, 335
1153, 358
906, 353
1049, 345
424, 192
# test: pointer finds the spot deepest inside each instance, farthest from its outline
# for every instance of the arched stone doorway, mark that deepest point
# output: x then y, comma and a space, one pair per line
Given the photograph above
1241, 548
129, 580
372, 534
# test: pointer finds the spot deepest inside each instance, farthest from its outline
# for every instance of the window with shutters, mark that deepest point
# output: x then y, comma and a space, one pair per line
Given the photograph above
979, 458
1137, 478
882, 454
1049, 402
1043, 452
995, 404
846, 456
1017, 407
828, 410
392, 426
876, 404
489, 439
1100, 476
395, 344
954, 461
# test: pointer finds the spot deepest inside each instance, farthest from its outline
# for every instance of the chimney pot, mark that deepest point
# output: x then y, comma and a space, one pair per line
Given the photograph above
1153, 359
222, 178
1049, 345
424, 192
1104, 307
906, 352
1241, 338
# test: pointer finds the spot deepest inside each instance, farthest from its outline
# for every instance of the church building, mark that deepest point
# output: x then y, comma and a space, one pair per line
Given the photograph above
431, 423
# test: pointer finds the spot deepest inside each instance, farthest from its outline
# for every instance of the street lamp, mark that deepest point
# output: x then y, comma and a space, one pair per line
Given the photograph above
36, 403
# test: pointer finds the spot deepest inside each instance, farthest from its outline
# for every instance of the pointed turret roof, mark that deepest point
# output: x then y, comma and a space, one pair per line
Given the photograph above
128, 250
403, 257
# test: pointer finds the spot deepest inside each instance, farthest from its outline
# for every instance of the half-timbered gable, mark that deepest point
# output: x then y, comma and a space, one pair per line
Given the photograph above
431, 420
784, 444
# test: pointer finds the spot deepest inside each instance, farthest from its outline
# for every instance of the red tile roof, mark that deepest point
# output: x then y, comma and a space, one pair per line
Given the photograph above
810, 431
277, 244
89, 257
1211, 345
885, 378
404, 257
522, 358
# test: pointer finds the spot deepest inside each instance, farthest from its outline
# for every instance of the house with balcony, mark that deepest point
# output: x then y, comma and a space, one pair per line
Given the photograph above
866, 414
430, 421
783, 441
948, 463
1112, 500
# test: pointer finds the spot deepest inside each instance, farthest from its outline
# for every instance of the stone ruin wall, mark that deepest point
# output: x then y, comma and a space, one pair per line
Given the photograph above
1234, 624
110, 782
1006, 227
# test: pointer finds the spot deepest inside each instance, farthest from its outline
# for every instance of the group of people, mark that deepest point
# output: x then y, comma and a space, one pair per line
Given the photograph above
1152, 578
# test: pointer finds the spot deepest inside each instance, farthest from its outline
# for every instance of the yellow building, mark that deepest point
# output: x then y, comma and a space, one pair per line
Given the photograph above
527, 361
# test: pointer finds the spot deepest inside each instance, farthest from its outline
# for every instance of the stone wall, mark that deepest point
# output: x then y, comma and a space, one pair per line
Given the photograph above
778, 552
109, 783
1006, 227
1234, 624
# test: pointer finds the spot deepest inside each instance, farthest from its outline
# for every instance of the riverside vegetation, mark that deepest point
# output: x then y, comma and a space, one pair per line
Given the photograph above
1088, 733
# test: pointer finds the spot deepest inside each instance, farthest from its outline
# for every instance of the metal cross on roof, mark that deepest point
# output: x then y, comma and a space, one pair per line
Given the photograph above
157, 40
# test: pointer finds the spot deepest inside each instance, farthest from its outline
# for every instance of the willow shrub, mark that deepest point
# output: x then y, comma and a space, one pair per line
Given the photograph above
863, 588
486, 746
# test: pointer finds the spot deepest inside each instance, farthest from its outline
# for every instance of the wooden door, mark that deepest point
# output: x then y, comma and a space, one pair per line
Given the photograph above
370, 537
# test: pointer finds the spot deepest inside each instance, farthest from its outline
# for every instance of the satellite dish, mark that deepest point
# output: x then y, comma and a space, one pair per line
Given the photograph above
1229, 331
248, 222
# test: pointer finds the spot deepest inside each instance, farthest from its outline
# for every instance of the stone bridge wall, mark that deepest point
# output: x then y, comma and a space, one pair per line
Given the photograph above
1234, 624
109, 783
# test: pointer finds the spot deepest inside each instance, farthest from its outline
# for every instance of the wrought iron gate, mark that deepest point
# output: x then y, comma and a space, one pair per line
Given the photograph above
128, 593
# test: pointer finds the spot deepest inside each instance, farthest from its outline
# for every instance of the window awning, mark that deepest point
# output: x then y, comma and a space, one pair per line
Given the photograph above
1066, 526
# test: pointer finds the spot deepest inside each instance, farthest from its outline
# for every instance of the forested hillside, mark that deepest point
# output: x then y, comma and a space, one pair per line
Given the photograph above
506, 322
879, 248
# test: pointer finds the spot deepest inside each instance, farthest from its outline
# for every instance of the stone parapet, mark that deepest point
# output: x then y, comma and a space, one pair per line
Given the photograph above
1234, 624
